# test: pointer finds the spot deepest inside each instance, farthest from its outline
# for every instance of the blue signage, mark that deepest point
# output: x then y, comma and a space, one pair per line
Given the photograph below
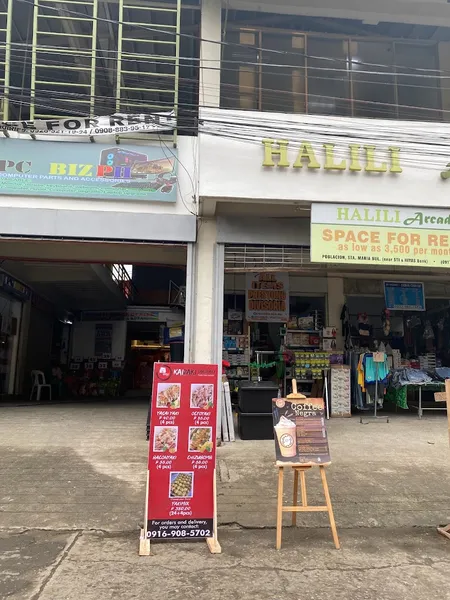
404, 295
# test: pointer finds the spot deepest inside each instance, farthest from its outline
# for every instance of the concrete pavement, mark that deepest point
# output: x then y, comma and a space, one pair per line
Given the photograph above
71, 502
374, 564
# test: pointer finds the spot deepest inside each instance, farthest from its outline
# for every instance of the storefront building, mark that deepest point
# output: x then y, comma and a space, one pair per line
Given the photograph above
332, 221
72, 214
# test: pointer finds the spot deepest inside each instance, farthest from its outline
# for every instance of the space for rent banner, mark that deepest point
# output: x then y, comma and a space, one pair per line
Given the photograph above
182, 451
383, 235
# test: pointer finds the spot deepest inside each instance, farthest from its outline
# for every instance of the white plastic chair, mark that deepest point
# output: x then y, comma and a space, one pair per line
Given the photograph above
38, 381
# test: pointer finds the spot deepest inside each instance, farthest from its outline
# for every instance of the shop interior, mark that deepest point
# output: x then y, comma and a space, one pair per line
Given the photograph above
387, 353
84, 328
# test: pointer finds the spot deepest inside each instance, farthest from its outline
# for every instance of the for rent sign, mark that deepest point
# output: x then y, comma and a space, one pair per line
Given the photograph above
346, 233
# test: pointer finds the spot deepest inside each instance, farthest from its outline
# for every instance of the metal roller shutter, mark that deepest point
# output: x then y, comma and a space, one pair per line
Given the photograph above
246, 257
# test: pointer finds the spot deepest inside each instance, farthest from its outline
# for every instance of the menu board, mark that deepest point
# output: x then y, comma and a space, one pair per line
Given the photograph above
182, 451
300, 432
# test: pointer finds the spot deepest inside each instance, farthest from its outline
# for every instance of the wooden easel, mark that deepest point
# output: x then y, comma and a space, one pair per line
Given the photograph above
300, 472
445, 531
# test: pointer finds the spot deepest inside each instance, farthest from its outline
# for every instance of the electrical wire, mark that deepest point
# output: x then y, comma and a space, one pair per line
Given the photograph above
163, 143
287, 120
292, 94
131, 56
249, 135
209, 41
284, 66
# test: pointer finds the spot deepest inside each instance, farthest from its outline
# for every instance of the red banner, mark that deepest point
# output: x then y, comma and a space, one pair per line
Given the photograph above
182, 451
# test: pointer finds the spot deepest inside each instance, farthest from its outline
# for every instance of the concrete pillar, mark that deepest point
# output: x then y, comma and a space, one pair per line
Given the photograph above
208, 289
204, 330
210, 53
335, 302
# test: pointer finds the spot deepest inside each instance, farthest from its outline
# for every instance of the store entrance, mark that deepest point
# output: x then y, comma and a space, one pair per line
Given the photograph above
367, 342
91, 323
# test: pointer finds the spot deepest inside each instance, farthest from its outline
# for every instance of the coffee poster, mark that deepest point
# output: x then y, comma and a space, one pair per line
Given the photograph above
300, 432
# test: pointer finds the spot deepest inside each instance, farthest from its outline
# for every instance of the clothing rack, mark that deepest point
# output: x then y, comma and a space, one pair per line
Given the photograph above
378, 357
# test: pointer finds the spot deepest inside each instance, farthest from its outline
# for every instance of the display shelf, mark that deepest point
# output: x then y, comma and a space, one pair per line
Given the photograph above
235, 335
302, 380
234, 349
304, 331
315, 346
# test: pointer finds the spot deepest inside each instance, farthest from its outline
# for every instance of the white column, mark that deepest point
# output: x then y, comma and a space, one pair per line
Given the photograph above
335, 302
210, 53
205, 307
208, 290
189, 303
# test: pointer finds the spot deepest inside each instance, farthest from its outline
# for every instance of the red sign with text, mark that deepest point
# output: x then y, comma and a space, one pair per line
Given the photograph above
182, 451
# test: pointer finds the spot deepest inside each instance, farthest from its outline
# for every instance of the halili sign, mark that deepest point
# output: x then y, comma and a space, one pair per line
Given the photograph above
360, 158
353, 158
346, 233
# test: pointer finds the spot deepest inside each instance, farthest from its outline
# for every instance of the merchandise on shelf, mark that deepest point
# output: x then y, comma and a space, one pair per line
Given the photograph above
336, 358
292, 323
235, 342
329, 344
306, 322
329, 332
302, 339
309, 365
340, 391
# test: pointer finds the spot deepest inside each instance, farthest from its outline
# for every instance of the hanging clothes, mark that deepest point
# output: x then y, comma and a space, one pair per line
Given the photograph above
376, 375
346, 330
375, 371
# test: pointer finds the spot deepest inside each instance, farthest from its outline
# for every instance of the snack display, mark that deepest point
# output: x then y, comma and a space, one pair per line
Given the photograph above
165, 439
202, 395
168, 395
200, 439
181, 485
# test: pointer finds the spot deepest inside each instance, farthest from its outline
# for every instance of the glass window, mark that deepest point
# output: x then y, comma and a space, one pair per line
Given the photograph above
418, 92
328, 77
373, 89
240, 71
283, 75
296, 73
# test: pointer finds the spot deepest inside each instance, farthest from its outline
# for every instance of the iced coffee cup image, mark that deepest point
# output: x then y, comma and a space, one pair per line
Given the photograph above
286, 436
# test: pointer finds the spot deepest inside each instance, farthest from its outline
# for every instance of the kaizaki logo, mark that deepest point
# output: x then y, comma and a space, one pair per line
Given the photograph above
164, 373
